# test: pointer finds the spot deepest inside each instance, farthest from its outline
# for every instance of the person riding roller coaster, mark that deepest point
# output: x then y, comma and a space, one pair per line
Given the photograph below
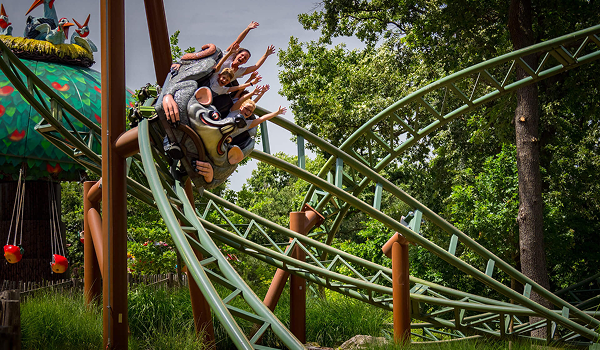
204, 160
186, 108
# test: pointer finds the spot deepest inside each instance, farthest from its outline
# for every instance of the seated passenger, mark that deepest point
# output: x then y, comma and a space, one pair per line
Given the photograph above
218, 81
235, 97
246, 107
240, 56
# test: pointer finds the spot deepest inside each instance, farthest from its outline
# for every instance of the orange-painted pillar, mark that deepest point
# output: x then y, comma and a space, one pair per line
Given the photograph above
114, 189
92, 281
298, 284
397, 249
159, 38
301, 222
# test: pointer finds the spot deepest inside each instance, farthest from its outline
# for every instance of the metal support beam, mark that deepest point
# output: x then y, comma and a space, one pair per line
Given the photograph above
114, 204
159, 38
397, 249
92, 281
297, 283
95, 224
127, 144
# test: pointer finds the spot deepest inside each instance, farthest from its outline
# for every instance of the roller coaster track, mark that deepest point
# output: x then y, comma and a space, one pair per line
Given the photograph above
353, 168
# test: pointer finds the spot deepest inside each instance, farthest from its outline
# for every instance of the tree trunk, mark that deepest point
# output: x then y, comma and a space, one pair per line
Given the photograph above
530, 217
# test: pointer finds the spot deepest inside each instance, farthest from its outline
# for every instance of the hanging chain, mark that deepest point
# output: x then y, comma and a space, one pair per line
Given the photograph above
17, 214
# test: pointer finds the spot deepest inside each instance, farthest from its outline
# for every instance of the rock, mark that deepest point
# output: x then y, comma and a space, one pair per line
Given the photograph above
362, 342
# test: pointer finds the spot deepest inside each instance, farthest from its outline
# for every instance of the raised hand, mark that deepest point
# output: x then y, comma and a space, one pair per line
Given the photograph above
253, 25
270, 50
281, 110
234, 48
256, 80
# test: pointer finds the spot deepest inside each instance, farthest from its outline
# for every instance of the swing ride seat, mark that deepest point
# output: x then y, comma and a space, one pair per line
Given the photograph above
13, 254
59, 263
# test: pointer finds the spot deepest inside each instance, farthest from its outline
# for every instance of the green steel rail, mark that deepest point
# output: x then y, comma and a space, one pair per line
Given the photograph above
223, 274
436, 305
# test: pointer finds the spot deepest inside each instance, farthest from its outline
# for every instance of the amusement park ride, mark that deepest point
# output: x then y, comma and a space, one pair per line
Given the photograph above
136, 161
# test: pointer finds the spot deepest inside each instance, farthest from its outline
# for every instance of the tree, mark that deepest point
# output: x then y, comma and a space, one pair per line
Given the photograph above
443, 37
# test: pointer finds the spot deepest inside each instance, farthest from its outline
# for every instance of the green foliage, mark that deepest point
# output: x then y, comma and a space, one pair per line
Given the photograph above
271, 192
55, 321
176, 52
156, 311
337, 318
368, 243
465, 171
72, 217
334, 91
485, 206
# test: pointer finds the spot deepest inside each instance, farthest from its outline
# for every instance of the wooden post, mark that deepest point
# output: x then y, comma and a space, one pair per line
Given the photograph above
397, 249
10, 322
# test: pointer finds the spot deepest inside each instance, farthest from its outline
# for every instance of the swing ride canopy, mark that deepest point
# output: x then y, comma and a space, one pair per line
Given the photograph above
80, 87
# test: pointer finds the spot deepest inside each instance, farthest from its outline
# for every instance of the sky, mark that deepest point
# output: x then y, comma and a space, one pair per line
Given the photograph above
200, 22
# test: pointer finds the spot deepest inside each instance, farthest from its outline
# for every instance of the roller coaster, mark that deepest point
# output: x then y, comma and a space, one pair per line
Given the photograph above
352, 169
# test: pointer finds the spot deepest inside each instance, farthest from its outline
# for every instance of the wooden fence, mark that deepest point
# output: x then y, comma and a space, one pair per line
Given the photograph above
27, 288
10, 320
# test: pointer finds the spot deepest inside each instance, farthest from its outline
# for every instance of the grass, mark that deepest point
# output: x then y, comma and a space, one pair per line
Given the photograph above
58, 321
466, 344
162, 319
332, 321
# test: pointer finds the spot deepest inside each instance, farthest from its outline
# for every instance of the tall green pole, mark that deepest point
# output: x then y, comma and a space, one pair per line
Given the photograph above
114, 214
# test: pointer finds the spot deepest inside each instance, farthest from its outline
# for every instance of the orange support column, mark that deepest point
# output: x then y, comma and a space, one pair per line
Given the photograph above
301, 222
298, 284
114, 189
397, 249
92, 281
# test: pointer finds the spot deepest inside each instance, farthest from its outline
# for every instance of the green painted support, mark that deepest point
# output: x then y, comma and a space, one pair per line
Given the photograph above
301, 155
221, 310
377, 196
527, 290
339, 172
264, 133
489, 270
453, 244
415, 221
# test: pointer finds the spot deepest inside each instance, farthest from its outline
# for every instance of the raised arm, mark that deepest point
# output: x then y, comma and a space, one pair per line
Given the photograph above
234, 48
261, 92
270, 51
252, 76
250, 82
243, 34
243, 99
266, 117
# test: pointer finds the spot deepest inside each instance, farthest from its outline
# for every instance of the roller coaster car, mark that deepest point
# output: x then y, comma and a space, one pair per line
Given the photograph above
201, 134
